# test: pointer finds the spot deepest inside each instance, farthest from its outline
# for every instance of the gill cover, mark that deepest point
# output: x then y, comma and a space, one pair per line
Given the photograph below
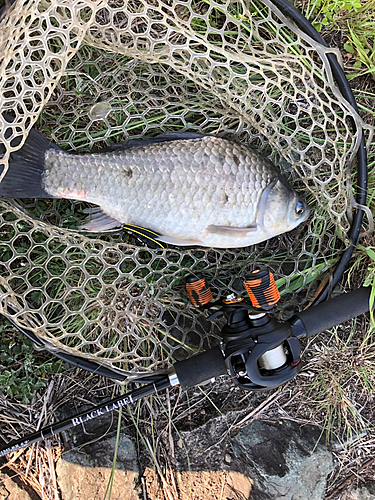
280, 208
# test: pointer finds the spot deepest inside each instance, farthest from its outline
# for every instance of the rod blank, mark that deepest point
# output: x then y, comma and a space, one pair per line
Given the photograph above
81, 418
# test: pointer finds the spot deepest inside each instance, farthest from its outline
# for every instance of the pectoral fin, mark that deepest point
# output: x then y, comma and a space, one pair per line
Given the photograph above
98, 220
236, 232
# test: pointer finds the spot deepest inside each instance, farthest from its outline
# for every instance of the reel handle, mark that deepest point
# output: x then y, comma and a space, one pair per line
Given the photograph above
262, 290
199, 292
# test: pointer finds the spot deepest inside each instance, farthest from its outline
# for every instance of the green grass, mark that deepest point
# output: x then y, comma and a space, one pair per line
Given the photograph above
355, 19
344, 367
343, 384
22, 369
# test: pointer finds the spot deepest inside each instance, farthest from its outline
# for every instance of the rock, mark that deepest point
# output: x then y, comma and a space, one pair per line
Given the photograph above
84, 474
10, 490
365, 492
205, 465
238, 486
285, 460
269, 461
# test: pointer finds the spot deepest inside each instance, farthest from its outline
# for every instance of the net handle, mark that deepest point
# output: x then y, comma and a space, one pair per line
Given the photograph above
304, 25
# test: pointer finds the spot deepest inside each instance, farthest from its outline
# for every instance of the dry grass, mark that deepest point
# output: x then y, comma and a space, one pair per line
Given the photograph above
334, 391
35, 465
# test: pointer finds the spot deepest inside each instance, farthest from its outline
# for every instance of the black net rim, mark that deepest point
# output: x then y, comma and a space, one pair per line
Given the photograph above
304, 25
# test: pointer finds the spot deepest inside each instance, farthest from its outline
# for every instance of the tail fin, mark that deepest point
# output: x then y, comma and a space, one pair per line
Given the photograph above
24, 178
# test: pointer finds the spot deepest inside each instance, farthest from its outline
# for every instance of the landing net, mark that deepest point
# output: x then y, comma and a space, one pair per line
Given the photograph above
89, 74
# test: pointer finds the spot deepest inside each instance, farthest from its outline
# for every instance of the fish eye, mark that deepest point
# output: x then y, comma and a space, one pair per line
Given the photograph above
300, 207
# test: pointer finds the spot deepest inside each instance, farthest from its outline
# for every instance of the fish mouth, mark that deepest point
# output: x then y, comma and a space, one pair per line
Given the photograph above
307, 214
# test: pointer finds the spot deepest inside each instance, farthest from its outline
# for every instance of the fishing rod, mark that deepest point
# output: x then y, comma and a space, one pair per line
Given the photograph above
259, 352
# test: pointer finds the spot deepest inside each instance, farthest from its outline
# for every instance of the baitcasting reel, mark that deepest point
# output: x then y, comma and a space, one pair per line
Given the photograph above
260, 352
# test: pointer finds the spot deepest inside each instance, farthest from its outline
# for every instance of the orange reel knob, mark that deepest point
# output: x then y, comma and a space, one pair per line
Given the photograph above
199, 293
262, 289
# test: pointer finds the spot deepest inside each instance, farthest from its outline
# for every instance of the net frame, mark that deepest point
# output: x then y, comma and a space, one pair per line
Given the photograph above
361, 195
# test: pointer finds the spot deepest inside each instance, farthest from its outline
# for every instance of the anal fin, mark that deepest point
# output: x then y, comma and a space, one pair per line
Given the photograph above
178, 241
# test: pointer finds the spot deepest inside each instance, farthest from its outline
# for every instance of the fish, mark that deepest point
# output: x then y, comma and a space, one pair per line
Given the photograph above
189, 189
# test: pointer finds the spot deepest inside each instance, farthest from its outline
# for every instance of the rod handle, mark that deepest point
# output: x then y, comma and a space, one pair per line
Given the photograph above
201, 367
333, 312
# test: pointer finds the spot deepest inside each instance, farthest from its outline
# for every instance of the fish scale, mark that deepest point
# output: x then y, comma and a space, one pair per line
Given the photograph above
191, 189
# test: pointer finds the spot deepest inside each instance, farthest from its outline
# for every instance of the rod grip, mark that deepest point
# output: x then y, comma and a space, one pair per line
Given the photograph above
199, 368
333, 312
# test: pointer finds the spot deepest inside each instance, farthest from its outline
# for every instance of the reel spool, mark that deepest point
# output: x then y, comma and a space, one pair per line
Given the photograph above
259, 352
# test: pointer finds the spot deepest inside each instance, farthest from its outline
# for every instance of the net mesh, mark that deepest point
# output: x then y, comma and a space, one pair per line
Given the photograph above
96, 73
